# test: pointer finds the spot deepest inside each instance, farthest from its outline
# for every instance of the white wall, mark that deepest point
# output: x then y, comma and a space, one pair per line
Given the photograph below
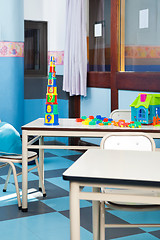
33, 10
52, 11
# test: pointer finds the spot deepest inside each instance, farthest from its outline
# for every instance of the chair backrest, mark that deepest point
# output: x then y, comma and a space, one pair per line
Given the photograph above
137, 141
121, 114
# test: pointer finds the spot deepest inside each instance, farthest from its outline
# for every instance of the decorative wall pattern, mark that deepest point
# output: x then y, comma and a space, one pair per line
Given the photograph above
142, 52
58, 55
11, 49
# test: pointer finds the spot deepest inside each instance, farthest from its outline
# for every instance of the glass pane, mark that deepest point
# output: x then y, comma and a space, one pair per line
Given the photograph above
142, 35
32, 49
99, 35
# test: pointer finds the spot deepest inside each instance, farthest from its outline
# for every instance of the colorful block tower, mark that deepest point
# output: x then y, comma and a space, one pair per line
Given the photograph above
51, 114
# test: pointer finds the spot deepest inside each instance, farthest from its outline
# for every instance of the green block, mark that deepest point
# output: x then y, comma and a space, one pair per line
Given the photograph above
84, 117
92, 123
55, 109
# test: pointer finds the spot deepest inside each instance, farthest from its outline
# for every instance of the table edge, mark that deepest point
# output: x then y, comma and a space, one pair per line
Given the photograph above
124, 182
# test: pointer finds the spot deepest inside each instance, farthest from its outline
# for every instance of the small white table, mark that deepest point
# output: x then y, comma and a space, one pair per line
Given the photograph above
66, 128
114, 169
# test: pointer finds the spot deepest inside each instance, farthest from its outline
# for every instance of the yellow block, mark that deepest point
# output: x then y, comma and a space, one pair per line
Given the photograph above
49, 118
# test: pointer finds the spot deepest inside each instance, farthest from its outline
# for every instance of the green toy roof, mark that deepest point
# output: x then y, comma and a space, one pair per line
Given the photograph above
151, 99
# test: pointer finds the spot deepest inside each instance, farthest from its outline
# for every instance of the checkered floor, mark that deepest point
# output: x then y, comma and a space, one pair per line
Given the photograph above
48, 218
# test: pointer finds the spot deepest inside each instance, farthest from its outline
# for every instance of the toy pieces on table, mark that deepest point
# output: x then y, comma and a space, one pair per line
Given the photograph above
93, 121
135, 125
79, 119
122, 123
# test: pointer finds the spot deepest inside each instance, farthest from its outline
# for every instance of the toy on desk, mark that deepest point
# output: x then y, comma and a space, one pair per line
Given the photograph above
135, 125
51, 113
145, 107
156, 121
91, 120
122, 123
107, 121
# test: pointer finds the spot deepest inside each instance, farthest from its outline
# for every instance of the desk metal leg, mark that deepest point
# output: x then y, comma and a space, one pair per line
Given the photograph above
41, 161
74, 211
24, 171
96, 217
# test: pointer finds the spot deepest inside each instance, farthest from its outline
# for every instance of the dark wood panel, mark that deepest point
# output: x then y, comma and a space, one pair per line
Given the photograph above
98, 79
74, 107
114, 53
74, 112
144, 81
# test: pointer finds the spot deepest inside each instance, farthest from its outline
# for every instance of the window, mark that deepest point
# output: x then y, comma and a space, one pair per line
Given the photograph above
142, 114
35, 48
141, 35
158, 111
99, 35
133, 62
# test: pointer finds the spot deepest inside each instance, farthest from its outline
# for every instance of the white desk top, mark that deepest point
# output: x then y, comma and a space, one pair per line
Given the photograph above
113, 166
71, 124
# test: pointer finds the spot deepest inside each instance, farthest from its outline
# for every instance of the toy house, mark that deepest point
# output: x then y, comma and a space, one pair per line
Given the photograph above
145, 107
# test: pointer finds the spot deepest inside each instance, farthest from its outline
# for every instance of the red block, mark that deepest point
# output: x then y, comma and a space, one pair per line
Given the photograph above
79, 119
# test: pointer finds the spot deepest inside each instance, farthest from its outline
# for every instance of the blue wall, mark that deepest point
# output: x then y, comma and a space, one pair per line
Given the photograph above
12, 20
35, 108
12, 91
12, 68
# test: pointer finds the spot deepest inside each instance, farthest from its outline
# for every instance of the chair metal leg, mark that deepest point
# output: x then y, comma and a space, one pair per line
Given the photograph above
102, 220
7, 179
16, 184
40, 178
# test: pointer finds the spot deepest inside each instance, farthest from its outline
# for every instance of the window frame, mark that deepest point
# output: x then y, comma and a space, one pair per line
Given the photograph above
115, 79
42, 26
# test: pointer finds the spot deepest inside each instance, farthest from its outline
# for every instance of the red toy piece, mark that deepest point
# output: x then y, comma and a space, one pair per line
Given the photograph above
105, 120
79, 119
91, 117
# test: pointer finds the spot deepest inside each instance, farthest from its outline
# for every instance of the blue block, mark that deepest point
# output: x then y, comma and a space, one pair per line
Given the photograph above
54, 82
98, 117
56, 120
110, 119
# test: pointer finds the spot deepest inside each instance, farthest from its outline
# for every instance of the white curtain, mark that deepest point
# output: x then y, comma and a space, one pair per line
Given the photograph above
75, 52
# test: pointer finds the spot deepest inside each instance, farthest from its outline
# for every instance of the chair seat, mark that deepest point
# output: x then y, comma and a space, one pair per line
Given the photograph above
130, 204
10, 154
132, 207
31, 155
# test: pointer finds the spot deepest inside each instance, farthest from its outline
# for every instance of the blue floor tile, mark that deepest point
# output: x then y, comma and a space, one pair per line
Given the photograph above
31, 177
142, 236
59, 182
14, 229
48, 218
62, 204
151, 217
63, 152
48, 226
56, 163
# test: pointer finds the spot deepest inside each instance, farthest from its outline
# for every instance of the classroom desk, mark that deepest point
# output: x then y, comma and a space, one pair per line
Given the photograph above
115, 170
66, 128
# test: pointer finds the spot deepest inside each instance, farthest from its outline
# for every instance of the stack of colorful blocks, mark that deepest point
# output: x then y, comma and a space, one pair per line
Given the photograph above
51, 115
